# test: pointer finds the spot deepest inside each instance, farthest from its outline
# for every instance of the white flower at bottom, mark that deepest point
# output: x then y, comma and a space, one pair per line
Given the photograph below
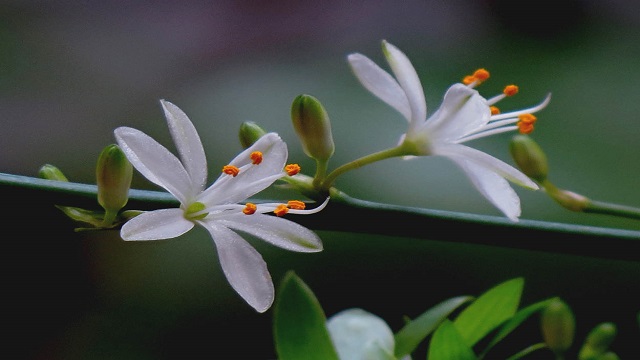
463, 116
216, 208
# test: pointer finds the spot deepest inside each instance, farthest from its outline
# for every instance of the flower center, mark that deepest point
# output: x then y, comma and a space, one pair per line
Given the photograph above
195, 211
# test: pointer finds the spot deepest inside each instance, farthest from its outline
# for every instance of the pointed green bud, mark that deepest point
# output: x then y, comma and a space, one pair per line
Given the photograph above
249, 133
113, 175
50, 172
311, 123
597, 342
529, 157
558, 326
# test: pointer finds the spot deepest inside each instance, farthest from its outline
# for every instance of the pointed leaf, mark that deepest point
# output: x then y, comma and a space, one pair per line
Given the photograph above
410, 336
300, 330
447, 344
489, 310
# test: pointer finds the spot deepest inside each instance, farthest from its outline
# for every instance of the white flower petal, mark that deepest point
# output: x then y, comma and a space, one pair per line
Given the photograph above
275, 230
155, 162
253, 179
360, 335
380, 83
486, 161
409, 80
462, 112
493, 187
156, 225
188, 143
243, 266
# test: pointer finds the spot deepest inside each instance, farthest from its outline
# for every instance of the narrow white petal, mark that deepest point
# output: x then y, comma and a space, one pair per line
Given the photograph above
486, 161
380, 83
463, 111
155, 162
228, 189
409, 80
493, 187
275, 230
156, 225
188, 143
243, 266
358, 335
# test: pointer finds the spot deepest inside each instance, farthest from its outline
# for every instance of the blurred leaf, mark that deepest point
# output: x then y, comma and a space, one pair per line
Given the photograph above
489, 310
358, 334
527, 351
410, 336
515, 321
448, 344
300, 330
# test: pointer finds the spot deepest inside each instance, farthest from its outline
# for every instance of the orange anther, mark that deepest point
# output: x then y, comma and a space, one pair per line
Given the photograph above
527, 119
296, 204
525, 128
249, 209
230, 170
468, 79
494, 110
481, 74
281, 210
292, 169
256, 157
510, 90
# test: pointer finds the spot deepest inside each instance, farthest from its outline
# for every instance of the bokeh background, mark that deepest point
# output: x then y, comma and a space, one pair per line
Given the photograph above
71, 72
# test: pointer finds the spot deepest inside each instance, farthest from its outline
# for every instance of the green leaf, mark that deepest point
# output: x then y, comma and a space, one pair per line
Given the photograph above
515, 321
300, 330
489, 311
448, 344
410, 336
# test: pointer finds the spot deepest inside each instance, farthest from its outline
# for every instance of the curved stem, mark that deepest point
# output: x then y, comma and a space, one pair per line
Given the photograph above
365, 160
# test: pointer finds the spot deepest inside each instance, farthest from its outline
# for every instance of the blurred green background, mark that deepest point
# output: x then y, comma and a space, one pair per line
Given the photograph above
70, 72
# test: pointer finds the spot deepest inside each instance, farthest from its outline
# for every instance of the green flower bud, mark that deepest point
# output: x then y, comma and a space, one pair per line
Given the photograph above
598, 341
51, 172
529, 157
558, 326
113, 175
249, 133
311, 123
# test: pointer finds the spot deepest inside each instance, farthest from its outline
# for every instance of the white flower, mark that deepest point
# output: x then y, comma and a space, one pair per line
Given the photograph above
463, 116
216, 208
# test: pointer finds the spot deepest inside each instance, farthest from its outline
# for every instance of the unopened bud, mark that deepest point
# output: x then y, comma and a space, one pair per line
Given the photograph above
113, 176
529, 157
568, 199
311, 123
249, 133
598, 341
50, 172
558, 326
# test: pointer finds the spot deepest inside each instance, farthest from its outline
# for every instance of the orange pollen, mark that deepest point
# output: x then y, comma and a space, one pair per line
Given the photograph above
230, 170
249, 209
525, 128
256, 157
281, 210
481, 74
468, 79
510, 90
527, 119
296, 204
494, 110
292, 169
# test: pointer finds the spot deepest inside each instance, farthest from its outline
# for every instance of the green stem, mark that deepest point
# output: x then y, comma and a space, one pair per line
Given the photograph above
109, 217
599, 207
321, 171
365, 160
526, 351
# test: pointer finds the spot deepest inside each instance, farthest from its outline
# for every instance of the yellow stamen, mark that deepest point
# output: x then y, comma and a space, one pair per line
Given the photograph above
250, 208
256, 157
494, 110
481, 74
230, 170
296, 204
281, 210
510, 90
292, 169
468, 79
